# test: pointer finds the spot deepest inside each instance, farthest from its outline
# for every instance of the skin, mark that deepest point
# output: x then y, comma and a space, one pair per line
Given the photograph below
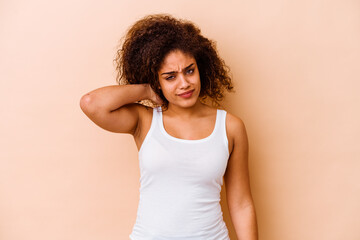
113, 108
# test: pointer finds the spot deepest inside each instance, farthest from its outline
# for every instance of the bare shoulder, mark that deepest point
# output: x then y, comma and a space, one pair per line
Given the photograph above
236, 130
234, 123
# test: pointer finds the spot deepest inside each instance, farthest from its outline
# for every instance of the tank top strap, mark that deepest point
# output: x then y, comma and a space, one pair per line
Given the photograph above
156, 112
221, 128
156, 118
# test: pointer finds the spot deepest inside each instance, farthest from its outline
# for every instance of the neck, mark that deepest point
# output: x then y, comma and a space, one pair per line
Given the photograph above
185, 112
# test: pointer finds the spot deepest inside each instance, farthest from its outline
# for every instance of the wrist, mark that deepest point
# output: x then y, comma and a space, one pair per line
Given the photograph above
147, 88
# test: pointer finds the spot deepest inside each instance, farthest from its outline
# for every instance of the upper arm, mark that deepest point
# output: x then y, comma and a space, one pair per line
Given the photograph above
237, 174
122, 120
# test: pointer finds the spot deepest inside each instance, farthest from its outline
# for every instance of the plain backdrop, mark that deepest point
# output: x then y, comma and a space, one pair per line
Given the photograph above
295, 67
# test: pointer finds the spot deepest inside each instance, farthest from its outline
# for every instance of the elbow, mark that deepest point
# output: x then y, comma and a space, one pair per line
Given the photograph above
86, 103
241, 205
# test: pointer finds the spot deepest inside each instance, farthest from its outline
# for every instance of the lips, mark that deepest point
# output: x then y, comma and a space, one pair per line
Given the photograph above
186, 94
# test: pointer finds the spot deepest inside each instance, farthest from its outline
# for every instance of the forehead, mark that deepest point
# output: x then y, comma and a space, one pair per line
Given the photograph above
176, 60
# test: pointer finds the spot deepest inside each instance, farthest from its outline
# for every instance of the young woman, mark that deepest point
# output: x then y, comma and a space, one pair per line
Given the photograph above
186, 147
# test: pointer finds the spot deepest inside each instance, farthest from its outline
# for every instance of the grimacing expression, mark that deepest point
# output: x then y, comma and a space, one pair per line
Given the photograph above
179, 79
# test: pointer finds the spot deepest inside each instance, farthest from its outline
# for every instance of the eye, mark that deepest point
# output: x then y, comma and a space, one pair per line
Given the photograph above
190, 71
169, 77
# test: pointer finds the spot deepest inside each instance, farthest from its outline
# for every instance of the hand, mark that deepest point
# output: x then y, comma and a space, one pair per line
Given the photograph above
153, 96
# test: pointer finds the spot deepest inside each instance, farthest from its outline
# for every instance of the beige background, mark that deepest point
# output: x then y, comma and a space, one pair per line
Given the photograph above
295, 66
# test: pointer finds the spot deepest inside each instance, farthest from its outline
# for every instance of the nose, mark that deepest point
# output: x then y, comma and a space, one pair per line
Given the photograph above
183, 82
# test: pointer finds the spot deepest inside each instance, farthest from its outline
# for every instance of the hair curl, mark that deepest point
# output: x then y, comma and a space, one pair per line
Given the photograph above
151, 38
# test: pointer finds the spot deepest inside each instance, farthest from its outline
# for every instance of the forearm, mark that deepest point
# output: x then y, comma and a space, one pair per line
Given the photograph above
245, 223
112, 97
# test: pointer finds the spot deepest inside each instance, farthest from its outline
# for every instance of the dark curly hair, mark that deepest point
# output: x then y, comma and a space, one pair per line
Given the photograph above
151, 38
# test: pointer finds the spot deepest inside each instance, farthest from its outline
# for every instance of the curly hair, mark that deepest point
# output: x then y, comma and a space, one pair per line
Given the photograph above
151, 38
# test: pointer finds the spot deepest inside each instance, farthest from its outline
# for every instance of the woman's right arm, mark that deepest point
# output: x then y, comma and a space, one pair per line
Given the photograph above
113, 108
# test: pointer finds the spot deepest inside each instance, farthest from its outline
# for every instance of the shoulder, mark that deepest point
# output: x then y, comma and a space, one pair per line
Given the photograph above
234, 123
236, 130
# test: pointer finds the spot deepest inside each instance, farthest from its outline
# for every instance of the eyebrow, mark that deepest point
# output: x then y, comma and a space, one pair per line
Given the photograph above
172, 72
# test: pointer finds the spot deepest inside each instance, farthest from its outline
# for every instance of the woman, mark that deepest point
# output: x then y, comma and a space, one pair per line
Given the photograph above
185, 146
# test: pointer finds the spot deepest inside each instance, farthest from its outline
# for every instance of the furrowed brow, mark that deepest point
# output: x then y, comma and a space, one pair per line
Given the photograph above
172, 72
189, 66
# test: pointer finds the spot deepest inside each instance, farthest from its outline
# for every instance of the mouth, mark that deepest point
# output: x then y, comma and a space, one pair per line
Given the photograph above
186, 94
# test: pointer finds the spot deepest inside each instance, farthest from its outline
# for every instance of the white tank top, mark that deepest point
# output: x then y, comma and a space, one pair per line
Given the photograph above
180, 184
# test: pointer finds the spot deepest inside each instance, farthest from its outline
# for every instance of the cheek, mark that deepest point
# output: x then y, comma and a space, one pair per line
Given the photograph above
167, 90
196, 79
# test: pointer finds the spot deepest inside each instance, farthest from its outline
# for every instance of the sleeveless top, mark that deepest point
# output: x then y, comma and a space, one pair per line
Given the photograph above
180, 184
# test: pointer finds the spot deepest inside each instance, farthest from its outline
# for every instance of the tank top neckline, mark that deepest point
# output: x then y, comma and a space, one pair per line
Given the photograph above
162, 129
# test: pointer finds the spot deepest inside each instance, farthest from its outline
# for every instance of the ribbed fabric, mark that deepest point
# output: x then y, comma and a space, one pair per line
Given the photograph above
180, 184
